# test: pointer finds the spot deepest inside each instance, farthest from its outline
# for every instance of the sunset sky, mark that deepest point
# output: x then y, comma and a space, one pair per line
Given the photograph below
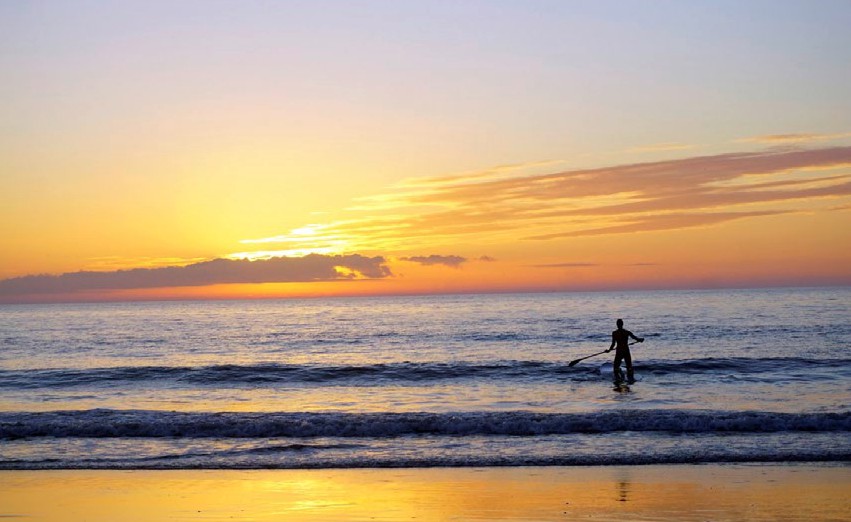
160, 150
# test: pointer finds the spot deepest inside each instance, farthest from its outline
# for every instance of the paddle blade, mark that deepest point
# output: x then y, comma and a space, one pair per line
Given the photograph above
574, 362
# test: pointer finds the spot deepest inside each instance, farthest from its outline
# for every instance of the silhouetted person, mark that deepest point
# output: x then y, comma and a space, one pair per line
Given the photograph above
620, 342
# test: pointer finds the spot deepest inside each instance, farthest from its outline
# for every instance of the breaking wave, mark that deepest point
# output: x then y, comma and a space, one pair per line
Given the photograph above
410, 372
101, 423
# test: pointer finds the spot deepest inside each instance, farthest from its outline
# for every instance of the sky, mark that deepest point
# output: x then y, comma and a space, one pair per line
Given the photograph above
169, 150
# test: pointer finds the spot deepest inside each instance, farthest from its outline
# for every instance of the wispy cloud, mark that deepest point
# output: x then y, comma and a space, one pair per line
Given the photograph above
217, 271
500, 171
104, 263
662, 222
697, 191
786, 139
451, 261
660, 147
566, 265
587, 265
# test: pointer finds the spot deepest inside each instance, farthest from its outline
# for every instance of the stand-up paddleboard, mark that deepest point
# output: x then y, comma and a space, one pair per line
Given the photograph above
621, 387
607, 371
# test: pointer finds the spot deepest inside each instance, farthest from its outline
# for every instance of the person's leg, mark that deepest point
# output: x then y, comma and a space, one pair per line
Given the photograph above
627, 357
616, 367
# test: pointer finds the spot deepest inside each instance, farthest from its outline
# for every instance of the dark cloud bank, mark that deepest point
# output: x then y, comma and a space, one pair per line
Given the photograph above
313, 267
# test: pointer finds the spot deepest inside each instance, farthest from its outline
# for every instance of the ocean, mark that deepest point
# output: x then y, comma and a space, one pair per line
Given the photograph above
472, 380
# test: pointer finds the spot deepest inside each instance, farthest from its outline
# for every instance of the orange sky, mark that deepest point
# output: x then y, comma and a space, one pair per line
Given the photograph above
225, 151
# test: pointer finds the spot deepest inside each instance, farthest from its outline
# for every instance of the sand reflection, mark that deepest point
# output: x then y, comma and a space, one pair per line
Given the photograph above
716, 492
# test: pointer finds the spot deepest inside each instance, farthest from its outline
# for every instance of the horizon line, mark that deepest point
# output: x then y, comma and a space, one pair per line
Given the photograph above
696, 288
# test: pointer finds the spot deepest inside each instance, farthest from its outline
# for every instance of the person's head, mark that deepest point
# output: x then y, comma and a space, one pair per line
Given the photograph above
620, 323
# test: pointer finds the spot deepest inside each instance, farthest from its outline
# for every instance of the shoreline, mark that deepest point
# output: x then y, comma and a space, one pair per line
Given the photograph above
718, 492
828, 461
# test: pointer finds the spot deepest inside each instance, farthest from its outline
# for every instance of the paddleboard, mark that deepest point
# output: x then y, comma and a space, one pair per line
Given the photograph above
607, 371
621, 387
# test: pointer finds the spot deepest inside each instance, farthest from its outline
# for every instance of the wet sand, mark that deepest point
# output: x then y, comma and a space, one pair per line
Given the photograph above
683, 493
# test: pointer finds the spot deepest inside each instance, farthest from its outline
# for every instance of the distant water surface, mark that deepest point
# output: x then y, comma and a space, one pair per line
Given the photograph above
725, 376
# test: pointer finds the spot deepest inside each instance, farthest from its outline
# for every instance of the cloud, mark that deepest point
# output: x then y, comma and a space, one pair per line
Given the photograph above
785, 139
688, 192
451, 261
104, 263
664, 222
646, 181
313, 267
499, 171
587, 265
566, 265
661, 147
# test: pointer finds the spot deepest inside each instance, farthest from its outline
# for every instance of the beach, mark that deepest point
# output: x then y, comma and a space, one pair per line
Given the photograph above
717, 492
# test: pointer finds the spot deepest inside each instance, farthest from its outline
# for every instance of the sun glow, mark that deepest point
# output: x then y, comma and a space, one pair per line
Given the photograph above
257, 255
303, 241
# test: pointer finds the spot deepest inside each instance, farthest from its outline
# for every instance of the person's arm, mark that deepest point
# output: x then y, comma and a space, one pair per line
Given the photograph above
638, 339
613, 343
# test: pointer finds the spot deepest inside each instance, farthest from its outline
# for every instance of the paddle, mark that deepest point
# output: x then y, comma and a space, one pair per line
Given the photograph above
576, 361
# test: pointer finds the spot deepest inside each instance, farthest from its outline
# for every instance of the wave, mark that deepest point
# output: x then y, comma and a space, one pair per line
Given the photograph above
369, 374
285, 459
102, 423
448, 461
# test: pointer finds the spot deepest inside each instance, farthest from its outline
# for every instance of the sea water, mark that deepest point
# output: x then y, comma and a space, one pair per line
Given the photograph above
474, 380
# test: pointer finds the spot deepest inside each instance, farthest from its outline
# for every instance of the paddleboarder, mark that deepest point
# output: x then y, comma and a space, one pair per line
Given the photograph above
620, 343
